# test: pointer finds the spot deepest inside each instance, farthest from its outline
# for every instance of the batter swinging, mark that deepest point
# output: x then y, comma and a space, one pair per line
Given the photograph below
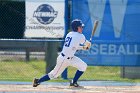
74, 41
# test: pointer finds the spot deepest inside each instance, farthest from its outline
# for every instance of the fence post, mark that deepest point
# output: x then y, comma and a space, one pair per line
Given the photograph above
27, 55
50, 55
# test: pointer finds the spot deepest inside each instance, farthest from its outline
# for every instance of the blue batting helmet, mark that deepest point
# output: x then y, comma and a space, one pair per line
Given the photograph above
76, 23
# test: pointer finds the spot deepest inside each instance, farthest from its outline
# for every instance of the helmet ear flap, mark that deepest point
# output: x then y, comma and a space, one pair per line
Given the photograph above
75, 29
73, 26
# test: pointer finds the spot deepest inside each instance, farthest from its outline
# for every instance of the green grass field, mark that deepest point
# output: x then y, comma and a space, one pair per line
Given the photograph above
26, 71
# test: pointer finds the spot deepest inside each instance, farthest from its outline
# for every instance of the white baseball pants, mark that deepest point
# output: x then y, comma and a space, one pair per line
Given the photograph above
63, 63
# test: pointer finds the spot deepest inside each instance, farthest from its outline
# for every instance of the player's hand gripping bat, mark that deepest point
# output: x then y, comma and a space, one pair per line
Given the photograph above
94, 29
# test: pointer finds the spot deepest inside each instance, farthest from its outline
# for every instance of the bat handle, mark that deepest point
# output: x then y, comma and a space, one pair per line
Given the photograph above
90, 40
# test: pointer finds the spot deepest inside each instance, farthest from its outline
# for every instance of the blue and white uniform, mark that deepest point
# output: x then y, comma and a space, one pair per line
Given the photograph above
73, 42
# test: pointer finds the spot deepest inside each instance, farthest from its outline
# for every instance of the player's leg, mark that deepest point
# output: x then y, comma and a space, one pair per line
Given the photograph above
58, 69
81, 66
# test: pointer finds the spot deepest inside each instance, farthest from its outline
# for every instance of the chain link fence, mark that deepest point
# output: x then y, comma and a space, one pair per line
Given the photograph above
15, 67
13, 62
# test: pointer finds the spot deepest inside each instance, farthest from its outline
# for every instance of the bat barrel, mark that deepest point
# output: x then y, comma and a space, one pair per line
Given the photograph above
94, 28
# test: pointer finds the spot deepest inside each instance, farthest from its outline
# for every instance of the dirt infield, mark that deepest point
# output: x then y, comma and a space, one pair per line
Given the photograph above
5, 88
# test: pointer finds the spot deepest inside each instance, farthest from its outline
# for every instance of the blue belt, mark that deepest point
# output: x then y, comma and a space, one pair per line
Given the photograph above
67, 57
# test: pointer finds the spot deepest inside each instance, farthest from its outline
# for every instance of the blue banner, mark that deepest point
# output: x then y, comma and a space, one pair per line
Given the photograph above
116, 41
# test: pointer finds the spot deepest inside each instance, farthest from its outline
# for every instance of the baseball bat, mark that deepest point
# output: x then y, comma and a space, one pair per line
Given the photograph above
94, 29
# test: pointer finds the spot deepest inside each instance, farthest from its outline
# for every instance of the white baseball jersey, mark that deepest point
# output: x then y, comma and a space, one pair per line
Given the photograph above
73, 42
66, 58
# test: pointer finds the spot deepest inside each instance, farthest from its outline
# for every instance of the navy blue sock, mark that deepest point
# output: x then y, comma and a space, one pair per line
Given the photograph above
77, 76
44, 78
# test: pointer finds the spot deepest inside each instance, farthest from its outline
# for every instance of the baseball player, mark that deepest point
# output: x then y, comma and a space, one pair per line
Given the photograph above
74, 41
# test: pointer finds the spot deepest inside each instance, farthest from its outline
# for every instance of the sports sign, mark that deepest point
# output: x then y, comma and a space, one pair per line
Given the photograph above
116, 40
45, 19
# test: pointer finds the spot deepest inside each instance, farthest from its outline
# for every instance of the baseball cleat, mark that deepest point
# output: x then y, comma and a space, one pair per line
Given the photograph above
74, 84
35, 83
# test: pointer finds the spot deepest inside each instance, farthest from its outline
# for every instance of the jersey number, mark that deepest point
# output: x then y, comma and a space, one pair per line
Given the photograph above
68, 41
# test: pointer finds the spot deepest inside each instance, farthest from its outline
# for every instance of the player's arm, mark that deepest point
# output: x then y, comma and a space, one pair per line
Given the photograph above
85, 46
